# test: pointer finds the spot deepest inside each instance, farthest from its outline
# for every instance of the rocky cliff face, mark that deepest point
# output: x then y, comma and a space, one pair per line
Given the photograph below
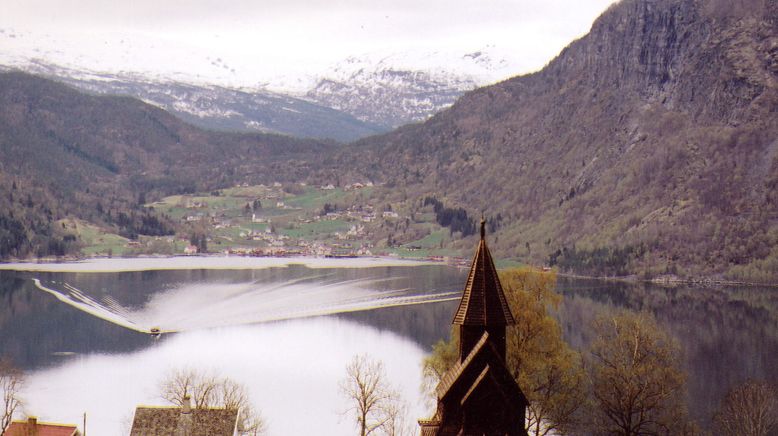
647, 146
707, 58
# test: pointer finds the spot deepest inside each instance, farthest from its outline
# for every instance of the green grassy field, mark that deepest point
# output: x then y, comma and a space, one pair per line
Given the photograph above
317, 229
223, 215
96, 241
433, 240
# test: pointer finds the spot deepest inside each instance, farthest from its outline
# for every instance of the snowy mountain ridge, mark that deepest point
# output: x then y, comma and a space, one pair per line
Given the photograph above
396, 89
217, 107
353, 98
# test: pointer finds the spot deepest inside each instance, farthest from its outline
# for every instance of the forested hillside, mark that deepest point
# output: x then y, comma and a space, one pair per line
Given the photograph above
66, 153
649, 146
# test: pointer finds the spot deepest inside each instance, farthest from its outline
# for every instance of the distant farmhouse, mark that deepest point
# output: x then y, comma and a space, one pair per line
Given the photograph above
184, 421
478, 395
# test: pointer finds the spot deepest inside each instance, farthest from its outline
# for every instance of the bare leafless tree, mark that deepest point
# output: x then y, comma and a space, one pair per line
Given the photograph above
233, 395
187, 382
750, 409
208, 390
376, 406
10, 383
397, 423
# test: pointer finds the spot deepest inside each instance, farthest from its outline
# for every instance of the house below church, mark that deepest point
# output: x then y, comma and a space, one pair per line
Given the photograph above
184, 421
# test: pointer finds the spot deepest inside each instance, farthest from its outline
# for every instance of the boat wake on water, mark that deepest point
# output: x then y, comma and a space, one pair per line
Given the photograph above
211, 305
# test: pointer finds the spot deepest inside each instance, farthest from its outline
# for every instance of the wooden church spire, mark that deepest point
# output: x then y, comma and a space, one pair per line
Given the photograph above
483, 300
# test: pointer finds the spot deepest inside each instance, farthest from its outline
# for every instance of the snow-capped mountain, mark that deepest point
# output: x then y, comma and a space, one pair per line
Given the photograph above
358, 96
405, 87
220, 108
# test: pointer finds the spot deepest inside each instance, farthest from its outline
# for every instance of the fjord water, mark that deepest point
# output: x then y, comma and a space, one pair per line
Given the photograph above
81, 363
726, 334
78, 362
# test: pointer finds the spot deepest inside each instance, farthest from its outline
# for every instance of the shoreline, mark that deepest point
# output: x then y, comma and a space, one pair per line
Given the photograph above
218, 262
232, 262
668, 281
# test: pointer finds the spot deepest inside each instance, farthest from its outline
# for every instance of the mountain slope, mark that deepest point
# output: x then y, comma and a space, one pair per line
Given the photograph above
215, 107
220, 108
357, 97
649, 146
66, 153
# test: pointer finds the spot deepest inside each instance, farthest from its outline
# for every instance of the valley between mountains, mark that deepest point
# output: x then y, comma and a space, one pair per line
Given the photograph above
647, 148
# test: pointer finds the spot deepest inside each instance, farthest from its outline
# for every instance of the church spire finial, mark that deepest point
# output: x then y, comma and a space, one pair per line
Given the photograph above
483, 227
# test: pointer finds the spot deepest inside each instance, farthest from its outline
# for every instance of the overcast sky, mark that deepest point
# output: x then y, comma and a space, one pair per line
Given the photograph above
296, 33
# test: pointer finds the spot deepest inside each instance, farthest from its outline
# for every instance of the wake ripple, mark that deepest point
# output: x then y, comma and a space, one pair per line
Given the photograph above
203, 306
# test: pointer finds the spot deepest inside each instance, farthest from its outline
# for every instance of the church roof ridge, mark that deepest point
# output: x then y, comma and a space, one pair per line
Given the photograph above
483, 300
453, 374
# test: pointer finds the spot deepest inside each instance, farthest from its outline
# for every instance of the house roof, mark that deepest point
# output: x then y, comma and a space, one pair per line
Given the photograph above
483, 300
171, 421
20, 428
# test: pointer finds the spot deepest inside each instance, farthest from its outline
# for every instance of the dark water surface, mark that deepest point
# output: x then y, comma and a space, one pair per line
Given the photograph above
37, 330
728, 334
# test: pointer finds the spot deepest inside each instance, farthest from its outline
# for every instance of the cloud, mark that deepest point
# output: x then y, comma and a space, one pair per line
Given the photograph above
265, 38
384, 19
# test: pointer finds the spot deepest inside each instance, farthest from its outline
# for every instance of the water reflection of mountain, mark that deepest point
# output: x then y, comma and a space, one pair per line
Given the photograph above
727, 334
425, 323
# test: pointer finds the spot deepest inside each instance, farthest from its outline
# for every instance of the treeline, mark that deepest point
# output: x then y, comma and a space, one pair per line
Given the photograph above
162, 186
30, 214
132, 224
22, 238
759, 271
602, 261
456, 219
27, 225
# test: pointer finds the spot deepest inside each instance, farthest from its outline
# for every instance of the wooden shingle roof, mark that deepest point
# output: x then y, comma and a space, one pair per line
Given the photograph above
481, 365
455, 372
171, 421
483, 300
